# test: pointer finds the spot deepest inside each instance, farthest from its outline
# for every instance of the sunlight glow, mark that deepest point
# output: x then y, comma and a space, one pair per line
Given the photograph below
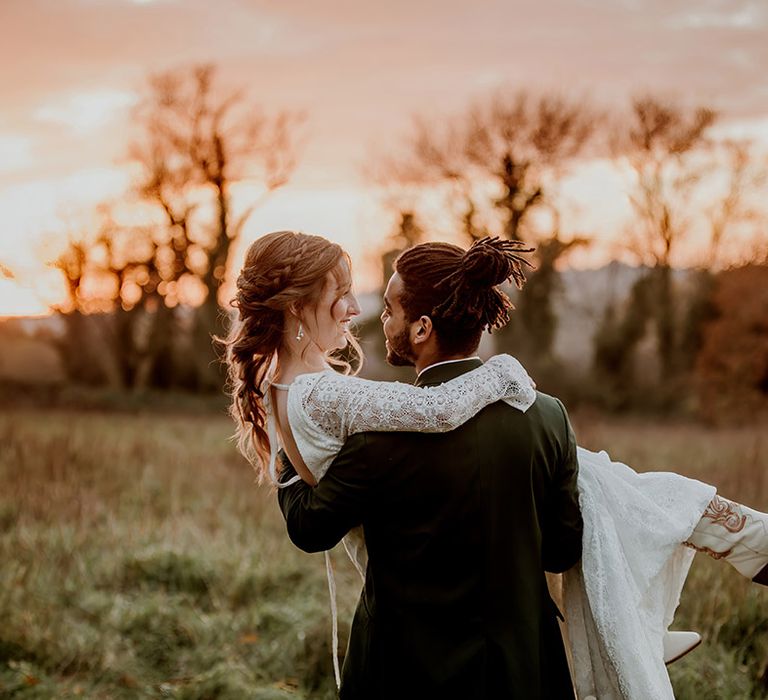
37, 216
14, 152
350, 216
16, 300
746, 16
45, 205
737, 129
85, 111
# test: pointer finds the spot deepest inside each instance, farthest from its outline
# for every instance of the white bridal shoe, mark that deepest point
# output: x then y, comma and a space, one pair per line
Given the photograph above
678, 644
738, 534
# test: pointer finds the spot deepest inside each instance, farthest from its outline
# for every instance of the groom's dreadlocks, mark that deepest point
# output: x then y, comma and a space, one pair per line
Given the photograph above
459, 290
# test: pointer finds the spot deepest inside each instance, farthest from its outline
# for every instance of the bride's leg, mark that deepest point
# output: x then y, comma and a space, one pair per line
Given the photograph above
738, 534
730, 531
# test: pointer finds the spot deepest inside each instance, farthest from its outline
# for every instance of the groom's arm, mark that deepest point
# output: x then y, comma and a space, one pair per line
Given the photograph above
562, 536
318, 517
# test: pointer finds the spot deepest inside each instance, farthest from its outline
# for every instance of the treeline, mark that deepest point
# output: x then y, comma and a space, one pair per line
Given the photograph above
144, 286
499, 167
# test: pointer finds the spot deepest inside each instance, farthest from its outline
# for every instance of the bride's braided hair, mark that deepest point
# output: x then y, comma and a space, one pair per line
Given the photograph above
459, 290
283, 270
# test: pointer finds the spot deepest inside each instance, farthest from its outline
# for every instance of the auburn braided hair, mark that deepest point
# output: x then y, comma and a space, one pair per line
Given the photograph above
283, 271
459, 290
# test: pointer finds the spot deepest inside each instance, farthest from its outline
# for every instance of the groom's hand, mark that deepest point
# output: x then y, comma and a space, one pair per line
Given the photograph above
318, 517
286, 470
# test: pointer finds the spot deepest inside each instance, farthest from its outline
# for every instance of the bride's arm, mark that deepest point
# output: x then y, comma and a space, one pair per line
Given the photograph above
341, 406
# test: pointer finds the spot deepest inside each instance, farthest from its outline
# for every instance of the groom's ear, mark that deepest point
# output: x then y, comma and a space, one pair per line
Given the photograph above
421, 330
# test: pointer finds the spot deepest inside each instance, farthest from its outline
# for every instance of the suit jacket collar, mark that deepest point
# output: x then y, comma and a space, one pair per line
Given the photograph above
444, 372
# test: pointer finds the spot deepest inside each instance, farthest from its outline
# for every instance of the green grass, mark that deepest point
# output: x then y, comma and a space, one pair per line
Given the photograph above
138, 559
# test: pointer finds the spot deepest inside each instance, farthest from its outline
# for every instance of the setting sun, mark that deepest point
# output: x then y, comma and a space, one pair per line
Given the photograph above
69, 108
19, 301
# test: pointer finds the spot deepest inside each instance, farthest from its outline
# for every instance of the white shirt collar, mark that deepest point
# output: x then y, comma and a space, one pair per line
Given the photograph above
446, 362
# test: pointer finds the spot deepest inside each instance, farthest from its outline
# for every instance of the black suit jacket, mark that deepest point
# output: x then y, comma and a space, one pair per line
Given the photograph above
460, 528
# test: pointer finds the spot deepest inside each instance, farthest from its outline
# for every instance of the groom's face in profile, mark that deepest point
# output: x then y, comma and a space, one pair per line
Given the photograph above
396, 327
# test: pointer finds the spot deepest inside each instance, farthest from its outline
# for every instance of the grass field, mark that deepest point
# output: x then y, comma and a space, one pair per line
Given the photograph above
139, 560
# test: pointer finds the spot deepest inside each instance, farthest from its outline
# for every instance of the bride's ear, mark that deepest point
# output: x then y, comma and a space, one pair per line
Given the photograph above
421, 330
295, 311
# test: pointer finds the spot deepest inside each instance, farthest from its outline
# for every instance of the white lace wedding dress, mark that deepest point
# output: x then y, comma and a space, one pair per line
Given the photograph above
621, 599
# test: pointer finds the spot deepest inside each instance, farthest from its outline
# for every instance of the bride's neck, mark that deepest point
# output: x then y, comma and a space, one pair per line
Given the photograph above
292, 362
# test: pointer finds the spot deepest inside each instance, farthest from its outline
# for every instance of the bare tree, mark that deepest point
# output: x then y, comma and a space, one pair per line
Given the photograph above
112, 301
523, 142
733, 208
197, 144
619, 332
500, 162
674, 162
726, 213
81, 349
408, 233
663, 146
535, 315
517, 143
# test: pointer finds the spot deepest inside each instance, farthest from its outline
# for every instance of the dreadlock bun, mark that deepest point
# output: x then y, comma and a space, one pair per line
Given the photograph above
487, 264
470, 290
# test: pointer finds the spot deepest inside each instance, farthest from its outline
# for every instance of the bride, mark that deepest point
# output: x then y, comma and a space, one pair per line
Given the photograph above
295, 303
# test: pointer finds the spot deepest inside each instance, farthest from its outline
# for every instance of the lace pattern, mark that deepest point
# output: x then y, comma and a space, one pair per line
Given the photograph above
325, 408
620, 601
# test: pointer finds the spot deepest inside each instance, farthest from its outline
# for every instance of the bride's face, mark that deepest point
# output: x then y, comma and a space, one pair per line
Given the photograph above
328, 322
396, 327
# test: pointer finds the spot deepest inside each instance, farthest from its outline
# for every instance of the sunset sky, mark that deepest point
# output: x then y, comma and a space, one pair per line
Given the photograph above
70, 71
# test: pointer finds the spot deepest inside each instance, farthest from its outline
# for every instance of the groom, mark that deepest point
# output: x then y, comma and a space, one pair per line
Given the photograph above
459, 526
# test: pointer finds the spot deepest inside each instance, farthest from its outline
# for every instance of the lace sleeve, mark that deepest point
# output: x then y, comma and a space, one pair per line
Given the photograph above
342, 406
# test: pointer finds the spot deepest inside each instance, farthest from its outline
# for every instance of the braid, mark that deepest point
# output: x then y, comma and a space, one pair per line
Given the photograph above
248, 360
281, 275
282, 271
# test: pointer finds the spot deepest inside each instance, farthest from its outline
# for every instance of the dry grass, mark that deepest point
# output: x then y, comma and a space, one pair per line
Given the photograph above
139, 560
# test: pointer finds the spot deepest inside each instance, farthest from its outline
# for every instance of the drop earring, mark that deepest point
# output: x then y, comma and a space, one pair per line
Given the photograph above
300, 333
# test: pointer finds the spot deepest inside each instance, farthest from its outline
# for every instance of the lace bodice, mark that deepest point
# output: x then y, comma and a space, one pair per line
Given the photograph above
325, 408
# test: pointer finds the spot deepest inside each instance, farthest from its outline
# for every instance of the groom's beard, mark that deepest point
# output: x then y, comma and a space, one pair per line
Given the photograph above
399, 352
